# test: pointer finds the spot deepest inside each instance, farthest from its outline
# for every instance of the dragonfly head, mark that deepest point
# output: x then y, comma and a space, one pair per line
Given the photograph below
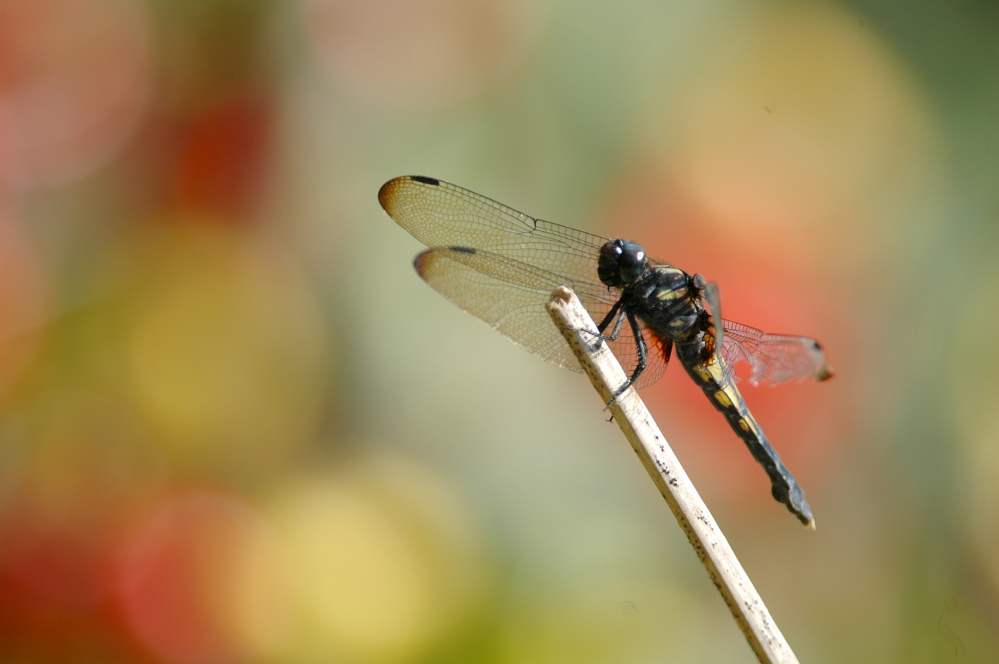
621, 263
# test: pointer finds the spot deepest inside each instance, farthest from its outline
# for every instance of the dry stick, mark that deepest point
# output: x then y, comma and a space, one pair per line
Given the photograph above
662, 465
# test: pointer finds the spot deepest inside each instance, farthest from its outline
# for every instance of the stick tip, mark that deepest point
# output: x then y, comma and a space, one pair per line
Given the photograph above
562, 294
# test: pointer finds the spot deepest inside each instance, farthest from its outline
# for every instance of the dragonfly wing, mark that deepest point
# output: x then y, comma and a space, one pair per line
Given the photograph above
711, 300
773, 358
441, 214
511, 296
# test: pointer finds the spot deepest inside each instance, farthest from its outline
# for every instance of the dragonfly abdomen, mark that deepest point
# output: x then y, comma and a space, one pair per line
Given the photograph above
721, 391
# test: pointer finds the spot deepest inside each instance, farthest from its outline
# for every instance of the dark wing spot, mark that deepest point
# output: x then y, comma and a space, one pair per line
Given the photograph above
388, 191
463, 250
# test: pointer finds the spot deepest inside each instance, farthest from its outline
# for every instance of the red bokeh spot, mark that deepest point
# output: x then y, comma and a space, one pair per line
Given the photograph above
218, 157
167, 577
53, 601
73, 82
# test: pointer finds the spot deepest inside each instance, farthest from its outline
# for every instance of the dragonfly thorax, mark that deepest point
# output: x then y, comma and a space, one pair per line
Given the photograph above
666, 299
621, 263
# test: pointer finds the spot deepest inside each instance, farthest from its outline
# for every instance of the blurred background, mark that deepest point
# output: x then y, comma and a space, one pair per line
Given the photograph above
237, 427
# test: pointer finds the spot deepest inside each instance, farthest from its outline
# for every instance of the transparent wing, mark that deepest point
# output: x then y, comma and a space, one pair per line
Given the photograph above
440, 214
510, 295
712, 300
773, 358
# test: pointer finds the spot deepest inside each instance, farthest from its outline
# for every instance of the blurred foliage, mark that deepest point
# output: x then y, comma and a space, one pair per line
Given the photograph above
236, 427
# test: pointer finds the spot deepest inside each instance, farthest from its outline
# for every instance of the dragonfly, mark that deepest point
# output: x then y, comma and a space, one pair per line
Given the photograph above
501, 265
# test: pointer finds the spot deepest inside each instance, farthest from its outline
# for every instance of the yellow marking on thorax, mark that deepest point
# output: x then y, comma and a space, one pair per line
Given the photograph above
670, 294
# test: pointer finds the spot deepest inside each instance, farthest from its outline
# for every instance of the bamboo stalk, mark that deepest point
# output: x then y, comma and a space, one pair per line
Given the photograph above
638, 426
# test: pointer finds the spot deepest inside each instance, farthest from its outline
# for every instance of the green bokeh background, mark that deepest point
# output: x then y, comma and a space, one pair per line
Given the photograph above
237, 427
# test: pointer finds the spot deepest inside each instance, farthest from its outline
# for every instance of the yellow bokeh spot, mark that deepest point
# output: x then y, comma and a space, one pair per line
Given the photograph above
370, 563
226, 354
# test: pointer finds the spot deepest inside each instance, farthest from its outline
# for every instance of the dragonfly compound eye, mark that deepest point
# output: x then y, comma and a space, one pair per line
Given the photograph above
631, 264
608, 265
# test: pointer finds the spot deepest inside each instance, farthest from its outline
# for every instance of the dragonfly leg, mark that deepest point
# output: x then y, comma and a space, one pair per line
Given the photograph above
600, 337
617, 330
642, 352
